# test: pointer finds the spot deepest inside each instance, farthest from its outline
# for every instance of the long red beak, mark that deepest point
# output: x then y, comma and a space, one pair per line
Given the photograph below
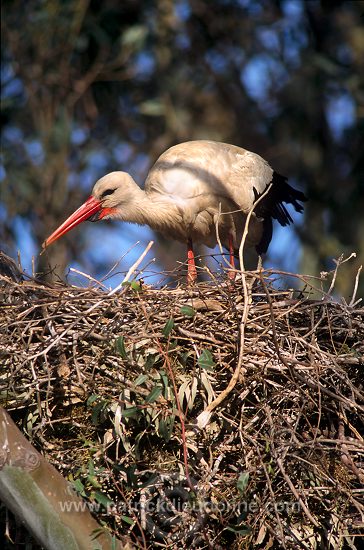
86, 210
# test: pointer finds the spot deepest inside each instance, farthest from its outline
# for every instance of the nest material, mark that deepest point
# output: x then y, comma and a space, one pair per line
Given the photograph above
214, 416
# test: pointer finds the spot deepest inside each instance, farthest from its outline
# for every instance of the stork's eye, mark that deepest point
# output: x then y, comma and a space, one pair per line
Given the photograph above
107, 192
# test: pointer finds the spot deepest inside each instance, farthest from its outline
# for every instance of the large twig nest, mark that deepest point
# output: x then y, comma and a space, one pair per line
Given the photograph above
214, 416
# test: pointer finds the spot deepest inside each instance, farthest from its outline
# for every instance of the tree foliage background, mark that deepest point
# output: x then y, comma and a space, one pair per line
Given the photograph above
89, 87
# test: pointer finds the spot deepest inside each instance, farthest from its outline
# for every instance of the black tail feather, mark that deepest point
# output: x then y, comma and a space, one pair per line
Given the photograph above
272, 207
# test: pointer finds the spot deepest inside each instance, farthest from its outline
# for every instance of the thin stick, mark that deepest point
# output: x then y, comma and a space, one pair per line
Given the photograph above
295, 492
109, 273
338, 263
133, 267
246, 227
95, 305
352, 301
99, 283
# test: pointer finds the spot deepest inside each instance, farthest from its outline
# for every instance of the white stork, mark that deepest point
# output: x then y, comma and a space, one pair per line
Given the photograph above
191, 190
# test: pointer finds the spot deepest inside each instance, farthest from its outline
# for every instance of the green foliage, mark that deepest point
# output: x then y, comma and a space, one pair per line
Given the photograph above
166, 426
153, 387
31, 419
79, 487
169, 326
152, 108
134, 285
154, 394
130, 412
127, 519
100, 408
241, 529
206, 360
120, 347
188, 311
103, 499
140, 379
127, 447
242, 482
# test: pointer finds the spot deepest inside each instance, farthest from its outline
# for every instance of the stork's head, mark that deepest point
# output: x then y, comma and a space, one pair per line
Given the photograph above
109, 194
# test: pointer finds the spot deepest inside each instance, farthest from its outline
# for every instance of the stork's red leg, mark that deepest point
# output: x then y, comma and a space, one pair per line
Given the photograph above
231, 273
191, 272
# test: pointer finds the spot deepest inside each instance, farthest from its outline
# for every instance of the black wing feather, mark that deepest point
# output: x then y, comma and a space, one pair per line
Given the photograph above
272, 207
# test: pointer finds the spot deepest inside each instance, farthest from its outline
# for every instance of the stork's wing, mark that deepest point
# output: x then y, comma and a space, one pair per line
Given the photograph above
204, 168
249, 178
197, 168
258, 176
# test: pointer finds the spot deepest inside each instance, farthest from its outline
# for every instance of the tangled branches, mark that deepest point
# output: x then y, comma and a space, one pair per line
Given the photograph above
130, 395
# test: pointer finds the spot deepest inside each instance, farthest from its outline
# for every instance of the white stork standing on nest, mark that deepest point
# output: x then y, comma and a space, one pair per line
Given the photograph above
194, 190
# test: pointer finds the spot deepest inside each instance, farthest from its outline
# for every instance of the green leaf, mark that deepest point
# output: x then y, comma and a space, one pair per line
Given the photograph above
188, 311
131, 478
240, 530
92, 399
97, 411
242, 482
140, 379
130, 412
154, 394
184, 357
168, 327
94, 482
166, 428
164, 378
137, 287
91, 468
134, 285
150, 360
120, 347
79, 487
173, 345
113, 543
206, 360
102, 499
127, 520
97, 532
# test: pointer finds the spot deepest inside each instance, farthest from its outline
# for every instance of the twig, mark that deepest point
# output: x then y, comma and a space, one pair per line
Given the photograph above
353, 303
295, 492
94, 306
99, 283
133, 268
246, 227
338, 263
